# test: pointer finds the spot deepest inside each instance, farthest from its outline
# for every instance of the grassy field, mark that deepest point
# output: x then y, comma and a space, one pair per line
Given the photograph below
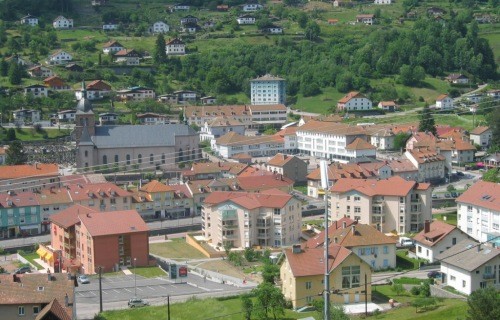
148, 272
31, 256
175, 249
404, 262
26, 134
451, 218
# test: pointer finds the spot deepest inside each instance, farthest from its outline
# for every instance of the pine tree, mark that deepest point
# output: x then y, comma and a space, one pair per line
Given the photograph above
15, 153
427, 122
160, 56
15, 74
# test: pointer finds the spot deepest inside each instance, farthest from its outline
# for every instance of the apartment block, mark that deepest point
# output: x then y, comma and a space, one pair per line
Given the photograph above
268, 89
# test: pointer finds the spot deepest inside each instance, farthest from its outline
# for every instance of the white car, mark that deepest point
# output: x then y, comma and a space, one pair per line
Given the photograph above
137, 302
83, 279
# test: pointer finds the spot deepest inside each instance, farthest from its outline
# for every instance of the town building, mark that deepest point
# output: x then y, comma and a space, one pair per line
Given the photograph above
128, 57
444, 102
437, 237
110, 26
219, 127
288, 165
367, 19
28, 177
492, 161
40, 72
268, 90
189, 19
303, 270
457, 78
56, 83
59, 57
151, 118
37, 90
252, 7
481, 136
136, 94
94, 90
29, 20
175, 47
159, 27
430, 164
233, 143
213, 170
478, 210
19, 214
390, 106
469, 266
387, 204
108, 118
354, 101
112, 47
246, 19
90, 239
243, 219
62, 23
37, 296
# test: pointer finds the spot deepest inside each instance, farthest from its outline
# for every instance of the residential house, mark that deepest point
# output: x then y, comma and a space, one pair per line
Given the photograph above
336, 171
189, 20
190, 27
66, 116
59, 57
110, 26
387, 204
474, 97
360, 148
51, 200
246, 19
268, 90
112, 47
96, 3
219, 127
243, 219
290, 166
136, 94
175, 47
223, 7
90, 239
208, 100
435, 11
40, 72
328, 140
29, 20
430, 164
73, 67
19, 214
62, 23
456, 152
437, 237
128, 57
469, 266
492, 161
481, 136
444, 102
201, 115
185, 96
26, 115
382, 2
478, 210
380, 137
150, 118
233, 143
495, 94
37, 90
37, 296
108, 118
457, 78
213, 170
19, 60
484, 18
181, 7
367, 19
103, 196
94, 90
56, 83
273, 29
354, 101
252, 7
403, 168
390, 106
159, 27
421, 140
303, 271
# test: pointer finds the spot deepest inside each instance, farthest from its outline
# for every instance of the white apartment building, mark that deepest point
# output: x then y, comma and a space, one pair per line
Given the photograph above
388, 204
329, 140
482, 136
266, 114
220, 126
246, 19
233, 143
268, 89
430, 164
59, 57
244, 219
478, 211
29, 20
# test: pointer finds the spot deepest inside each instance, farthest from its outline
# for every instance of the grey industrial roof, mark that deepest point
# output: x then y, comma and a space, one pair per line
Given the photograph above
139, 135
468, 255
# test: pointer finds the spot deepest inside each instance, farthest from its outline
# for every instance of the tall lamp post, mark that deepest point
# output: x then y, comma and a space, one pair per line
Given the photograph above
135, 278
326, 291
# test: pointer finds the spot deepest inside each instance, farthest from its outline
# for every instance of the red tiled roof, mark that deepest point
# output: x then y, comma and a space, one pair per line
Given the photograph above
265, 199
360, 144
363, 235
80, 192
280, 160
98, 85
215, 167
480, 130
18, 199
351, 95
482, 194
113, 222
319, 239
441, 97
426, 155
69, 216
156, 186
29, 171
261, 182
56, 309
310, 262
394, 186
348, 170
438, 230
387, 103
333, 128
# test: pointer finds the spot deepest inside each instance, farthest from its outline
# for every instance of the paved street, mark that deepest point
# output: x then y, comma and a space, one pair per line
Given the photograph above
384, 277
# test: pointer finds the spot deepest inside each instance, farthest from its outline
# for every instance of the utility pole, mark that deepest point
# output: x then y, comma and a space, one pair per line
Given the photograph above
326, 290
135, 278
366, 296
100, 289
168, 307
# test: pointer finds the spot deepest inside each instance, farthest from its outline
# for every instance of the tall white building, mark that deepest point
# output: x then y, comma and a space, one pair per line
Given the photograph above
268, 89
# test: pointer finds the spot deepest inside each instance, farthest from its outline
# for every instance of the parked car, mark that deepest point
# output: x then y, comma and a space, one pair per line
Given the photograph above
406, 242
434, 196
311, 206
83, 279
460, 173
22, 270
435, 274
137, 302
454, 195
447, 195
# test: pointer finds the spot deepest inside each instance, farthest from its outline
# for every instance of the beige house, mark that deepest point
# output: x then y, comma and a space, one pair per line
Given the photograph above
290, 166
392, 204
302, 275
28, 177
244, 219
430, 164
482, 136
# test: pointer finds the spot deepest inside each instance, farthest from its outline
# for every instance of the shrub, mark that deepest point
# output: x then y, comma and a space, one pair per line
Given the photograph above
415, 291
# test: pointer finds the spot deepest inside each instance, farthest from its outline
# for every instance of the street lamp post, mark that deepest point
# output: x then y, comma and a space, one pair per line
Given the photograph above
135, 278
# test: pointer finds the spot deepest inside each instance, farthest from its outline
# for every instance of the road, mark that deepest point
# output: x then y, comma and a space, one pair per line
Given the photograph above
117, 290
384, 277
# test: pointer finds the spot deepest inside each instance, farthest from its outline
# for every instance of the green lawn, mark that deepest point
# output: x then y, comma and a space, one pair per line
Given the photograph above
451, 218
175, 249
31, 256
319, 104
29, 134
148, 272
404, 262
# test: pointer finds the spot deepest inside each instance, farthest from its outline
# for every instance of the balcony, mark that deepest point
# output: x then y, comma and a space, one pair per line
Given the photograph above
263, 225
228, 226
263, 235
489, 276
229, 236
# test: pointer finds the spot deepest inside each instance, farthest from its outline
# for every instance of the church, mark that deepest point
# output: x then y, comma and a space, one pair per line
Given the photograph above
157, 147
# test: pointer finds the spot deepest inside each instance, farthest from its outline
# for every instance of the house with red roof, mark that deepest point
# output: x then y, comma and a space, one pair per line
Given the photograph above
28, 177
56, 83
478, 211
246, 219
288, 165
303, 269
360, 148
481, 136
444, 102
437, 237
393, 204
90, 239
429, 162
354, 101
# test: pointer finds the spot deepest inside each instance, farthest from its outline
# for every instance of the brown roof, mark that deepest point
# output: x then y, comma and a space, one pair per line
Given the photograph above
333, 128
393, 186
234, 139
112, 43
18, 199
266, 199
53, 81
216, 111
455, 144
349, 170
29, 171
361, 16
279, 160
113, 222
482, 194
309, 262
403, 165
360, 235
98, 85
261, 182
225, 121
87, 191
351, 95
55, 309
274, 107
126, 53
241, 156
360, 144
387, 103
53, 196
480, 130
441, 97
234, 168
319, 239
174, 41
156, 186
35, 288
438, 230
69, 216
426, 155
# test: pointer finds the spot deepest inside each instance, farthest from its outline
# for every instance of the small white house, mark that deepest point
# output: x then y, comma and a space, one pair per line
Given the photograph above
159, 27
110, 26
62, 23
252, 7
382, 2
29, 20
246, 19
112, 47
175, 47
273, 29
444, 102
59, 57
37, 90
23, 115
354, 101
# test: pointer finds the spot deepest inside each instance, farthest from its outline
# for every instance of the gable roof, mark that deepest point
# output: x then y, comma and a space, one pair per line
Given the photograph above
360, 144
438, 230
319, 239
266, 199
360, 235
426, 155
112, 43
351, 95
393, 186
310, 262
279, 160
441, 97
113, 222
56, 309
234, 168
69, 216
29, 171
480, 130
468, 255
156, 186
338, 170
482, 194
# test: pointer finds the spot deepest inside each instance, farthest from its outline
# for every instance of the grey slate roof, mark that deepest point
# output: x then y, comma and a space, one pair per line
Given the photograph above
465, 255
140, 135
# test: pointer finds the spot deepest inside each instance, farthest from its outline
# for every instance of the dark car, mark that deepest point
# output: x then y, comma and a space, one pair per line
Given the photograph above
454, 195
435, 274
460, 174
22, 270
311, 206
447, 195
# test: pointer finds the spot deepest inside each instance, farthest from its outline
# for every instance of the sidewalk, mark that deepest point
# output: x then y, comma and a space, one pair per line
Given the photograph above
126, 271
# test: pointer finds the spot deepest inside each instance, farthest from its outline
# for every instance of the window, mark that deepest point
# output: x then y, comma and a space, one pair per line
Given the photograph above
163, 158
128, 159
357, 209
308, 285
386, 249
464, 283
348, 209
86, 153
277, 211
116, 158
105, 159
453, 278
357, 198
139, 158
348, 198
20, 311
36, 310
151, 158
350, 276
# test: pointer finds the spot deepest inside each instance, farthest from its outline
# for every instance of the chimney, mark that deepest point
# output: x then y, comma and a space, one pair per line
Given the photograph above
66, 300
427, 226
296, 249
344, 224
88, 215
353, 228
